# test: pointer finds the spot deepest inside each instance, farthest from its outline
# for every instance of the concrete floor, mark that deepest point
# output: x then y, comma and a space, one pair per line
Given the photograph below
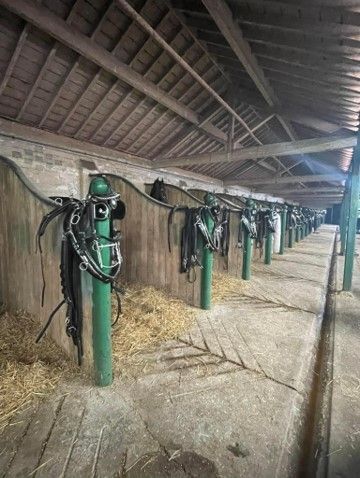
225, 400
344, 447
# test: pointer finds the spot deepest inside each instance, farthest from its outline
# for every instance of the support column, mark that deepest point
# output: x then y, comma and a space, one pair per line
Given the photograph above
268, 248
291, 229
352, 219
297, 233
207, 259
283, 230
344, 220
101, 296
248, 242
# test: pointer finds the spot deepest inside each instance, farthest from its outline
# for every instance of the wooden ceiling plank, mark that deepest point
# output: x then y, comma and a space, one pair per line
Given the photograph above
14, 58
223, 18
68, 75
57, 28
340, 11
179, 139
129, 10
117, 82
172, 89
47, 63
134, 59
96, 77
290, 22
165, 113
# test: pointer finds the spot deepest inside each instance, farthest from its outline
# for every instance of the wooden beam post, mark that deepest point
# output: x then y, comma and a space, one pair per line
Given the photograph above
310, 178
303, 146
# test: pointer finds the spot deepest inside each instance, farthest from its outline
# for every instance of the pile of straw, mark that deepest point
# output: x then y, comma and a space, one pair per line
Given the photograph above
149, 317
225, 287
27, 371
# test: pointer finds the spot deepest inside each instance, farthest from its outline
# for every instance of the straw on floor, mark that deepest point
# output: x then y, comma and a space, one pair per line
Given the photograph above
225, 286
28, 371
149, 317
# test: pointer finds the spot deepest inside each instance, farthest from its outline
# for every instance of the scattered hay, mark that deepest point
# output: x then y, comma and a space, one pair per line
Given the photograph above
149, 317
28, 371
225, 286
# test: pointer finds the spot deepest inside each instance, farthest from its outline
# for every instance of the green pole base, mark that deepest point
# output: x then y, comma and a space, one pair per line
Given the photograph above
247, 253
291, 238
283, 231
268, 249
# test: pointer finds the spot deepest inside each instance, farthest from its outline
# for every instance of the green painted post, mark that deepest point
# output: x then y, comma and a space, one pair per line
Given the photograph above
247, 251
101, 296
297, 233
207, 259
343, 221
352, 219
268, 248
291, 232
283, 230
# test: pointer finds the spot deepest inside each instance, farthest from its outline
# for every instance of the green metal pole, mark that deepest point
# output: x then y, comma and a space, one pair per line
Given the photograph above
101, 296
352, 219
247, 251
268, 248
291, 232
344, 221
297, 233
207, 259
283, 230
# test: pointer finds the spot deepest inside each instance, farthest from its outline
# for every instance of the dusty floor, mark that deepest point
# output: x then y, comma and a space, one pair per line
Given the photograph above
225, 400
344, 449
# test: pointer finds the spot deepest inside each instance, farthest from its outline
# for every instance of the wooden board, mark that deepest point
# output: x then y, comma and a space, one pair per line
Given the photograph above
145, 242
21, 209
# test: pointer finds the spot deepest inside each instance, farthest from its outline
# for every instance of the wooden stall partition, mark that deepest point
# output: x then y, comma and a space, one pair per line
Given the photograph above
236, 201
232, 263
177, 195
144, 245
22, 207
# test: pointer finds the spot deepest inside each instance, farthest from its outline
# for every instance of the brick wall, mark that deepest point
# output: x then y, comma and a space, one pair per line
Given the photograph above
57, 171
61, 166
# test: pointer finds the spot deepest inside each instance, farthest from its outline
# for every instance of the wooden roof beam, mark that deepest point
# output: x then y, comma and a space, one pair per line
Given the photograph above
222, 16
57, 28
132, 13
304, 146
269, 189
310, 178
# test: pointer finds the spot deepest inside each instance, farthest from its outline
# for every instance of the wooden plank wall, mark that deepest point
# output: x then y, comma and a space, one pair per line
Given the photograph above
179, 196
145, 243
232, 264
21, 210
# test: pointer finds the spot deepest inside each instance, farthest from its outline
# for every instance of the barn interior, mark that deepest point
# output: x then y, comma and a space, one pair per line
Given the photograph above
193, 168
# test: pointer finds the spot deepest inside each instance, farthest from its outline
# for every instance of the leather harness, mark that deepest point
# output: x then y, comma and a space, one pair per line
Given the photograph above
81, 250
